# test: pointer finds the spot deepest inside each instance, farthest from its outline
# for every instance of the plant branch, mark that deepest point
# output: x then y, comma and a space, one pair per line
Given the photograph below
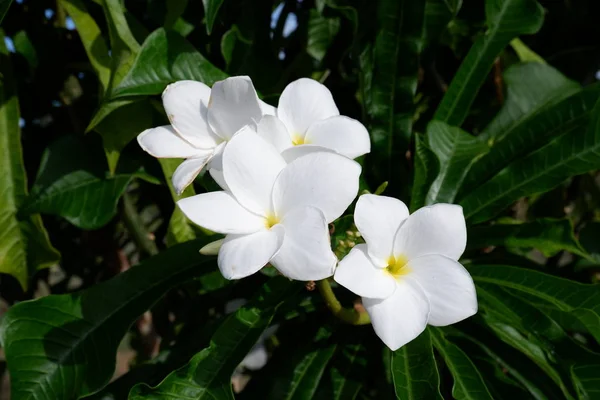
349, 316
136, 227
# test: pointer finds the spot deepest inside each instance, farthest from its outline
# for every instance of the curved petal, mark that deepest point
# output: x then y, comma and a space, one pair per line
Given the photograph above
436, 229
186, 103
274, 132
250, 166
243, 255
346, 136
298, 151
357, 273
304, 102
323, 180
218, 177
233, 105
220, 212
267, 109
449, 287
256, 358
188, 170
306, 251
378, 219
401, 317
164, 142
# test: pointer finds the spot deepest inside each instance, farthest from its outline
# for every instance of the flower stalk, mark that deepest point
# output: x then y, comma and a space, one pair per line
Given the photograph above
349, 316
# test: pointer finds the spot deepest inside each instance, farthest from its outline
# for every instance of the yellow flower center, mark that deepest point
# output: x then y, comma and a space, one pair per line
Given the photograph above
298, 139
271, 220
397, 266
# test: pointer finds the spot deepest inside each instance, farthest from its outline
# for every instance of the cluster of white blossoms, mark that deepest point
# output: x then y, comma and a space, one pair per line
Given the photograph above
286, 174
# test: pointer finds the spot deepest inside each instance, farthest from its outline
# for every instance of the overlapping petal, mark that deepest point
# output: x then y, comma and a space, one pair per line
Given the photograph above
436, 229
220, 212
346, 136
357, 273
250, 166
164, 142
304, 102
401, 317
272, 130
306, 251
378, 219
449, 288
243, 255
188, 170
295, 152
323, 180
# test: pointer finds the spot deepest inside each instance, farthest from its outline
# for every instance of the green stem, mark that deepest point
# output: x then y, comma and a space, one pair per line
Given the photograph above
136, 227
349, 316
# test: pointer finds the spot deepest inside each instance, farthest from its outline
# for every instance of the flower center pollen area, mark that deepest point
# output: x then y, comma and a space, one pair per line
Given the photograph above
298, 139
397, 266
271, 221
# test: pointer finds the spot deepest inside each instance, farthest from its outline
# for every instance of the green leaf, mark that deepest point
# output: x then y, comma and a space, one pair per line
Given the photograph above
427, 167
414, 370
343, 377
211, 9
581, 300
505, 20
524, 53
532, 132
4, 5
587, 380
437, 17
71, 183
24, 47
208, 374
321, 34
64, 346
456, 151
24, 244
571, 154
468, 383
547, 235
165, 57
91, 37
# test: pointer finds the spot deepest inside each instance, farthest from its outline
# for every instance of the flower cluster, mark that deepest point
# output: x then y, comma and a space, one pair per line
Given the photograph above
286, 173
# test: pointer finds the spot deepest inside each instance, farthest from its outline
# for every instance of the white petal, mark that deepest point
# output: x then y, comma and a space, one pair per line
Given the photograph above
436, 229
449, 288
323, 180
256, 358
164, 142
401, 317
186, 103
304, 102
188, 170
357, 273
243, 255
306, 251
233, 104
378, 219
217, 175
267, 109
250, 166
346, 136
220, 212
274, 132
298, 151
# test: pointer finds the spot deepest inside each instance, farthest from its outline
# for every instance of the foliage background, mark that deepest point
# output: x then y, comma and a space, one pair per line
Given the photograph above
515, 140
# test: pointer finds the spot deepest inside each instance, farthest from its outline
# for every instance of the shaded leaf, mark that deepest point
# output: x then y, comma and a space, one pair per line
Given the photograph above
427, 167
211, 8
321, 34
4, 5
344, 377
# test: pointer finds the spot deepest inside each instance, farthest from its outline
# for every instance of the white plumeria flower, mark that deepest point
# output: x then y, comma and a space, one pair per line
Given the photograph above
275, 212
308, 120
407, 272
202, 122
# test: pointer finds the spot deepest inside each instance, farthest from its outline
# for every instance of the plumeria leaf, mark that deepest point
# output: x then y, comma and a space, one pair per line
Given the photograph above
64, 346
208, 374
414, 370
24, 246
505, 20
587, 379
342, 379
573, 153
211, 8
468, 383
165, 57
321, 34
427, 167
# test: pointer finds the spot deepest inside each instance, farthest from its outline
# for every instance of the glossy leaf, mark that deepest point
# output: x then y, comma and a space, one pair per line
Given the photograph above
211, 8
24, 243
565, 156
321, 34
71, 183
456, 151
427, 167
165, 57
505, 20
64, 346
208, 374
468, 383
414, 370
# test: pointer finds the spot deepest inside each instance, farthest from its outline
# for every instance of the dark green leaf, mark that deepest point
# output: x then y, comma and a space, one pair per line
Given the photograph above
437, 17
24, 244
211, 8
414, 370
565, 156
344, 375
24, 47
321, 34
165, 57
208, 374
427, 167
456, 151
587, 380
64, 346
4, 5
468, 383
505, 20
